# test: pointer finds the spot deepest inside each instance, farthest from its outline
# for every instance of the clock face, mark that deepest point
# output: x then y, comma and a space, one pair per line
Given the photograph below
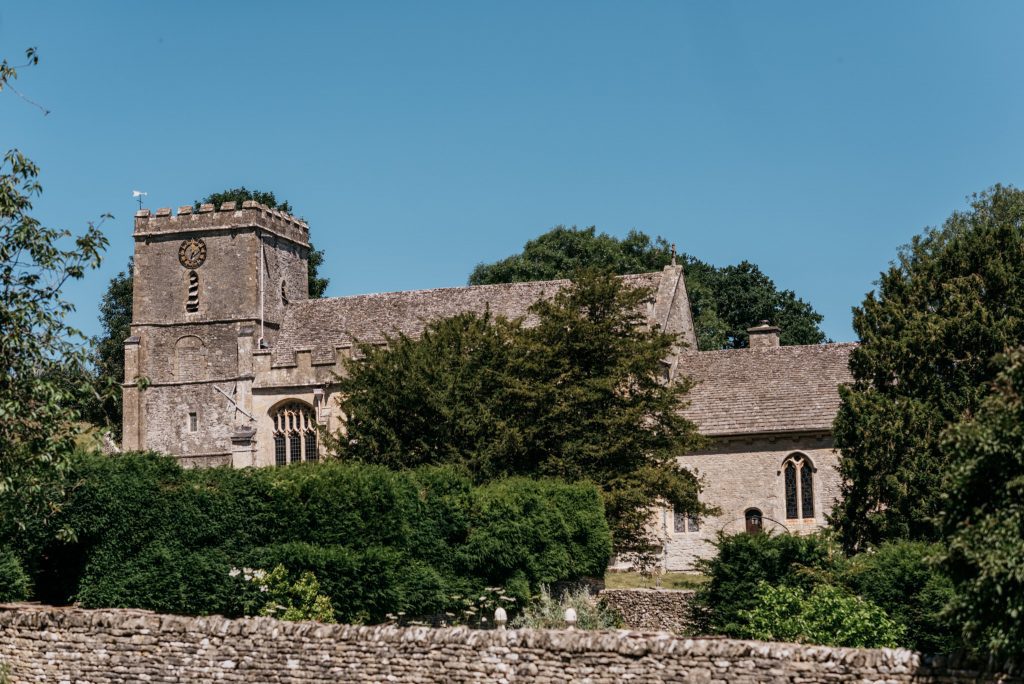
192, 253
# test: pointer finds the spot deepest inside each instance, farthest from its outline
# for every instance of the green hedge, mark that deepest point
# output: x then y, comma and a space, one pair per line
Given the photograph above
151, 535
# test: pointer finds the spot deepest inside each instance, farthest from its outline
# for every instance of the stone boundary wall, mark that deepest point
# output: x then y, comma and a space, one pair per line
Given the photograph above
652, 609
44, 644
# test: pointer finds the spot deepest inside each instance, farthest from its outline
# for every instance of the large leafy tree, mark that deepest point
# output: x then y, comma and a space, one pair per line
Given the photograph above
952, 301
725, 301
983, 517
38, 349
578, 396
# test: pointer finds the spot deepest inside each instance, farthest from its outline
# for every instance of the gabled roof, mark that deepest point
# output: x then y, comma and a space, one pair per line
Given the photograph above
322, 325
756, 391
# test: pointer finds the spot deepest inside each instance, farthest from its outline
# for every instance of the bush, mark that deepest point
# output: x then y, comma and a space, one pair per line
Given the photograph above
903, 580
826, 615
744, 561
151, 535
14, 582
547, 612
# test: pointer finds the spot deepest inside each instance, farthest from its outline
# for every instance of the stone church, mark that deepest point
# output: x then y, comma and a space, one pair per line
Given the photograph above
230, 363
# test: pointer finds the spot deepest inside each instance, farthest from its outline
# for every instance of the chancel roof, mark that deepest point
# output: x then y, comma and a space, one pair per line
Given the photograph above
775, 389
323, 325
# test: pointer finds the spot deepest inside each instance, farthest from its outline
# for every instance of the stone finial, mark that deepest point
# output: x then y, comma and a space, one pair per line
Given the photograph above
500, 618
764, 336
206, 208
163, 211
250, 204
570, 618
228, 206
186, 209
142, 213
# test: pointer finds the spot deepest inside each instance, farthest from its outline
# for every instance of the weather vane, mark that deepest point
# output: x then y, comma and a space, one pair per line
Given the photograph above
138, 194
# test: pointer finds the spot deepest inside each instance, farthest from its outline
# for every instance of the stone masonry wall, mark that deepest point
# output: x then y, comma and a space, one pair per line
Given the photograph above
741, 474
43, 644
652, 609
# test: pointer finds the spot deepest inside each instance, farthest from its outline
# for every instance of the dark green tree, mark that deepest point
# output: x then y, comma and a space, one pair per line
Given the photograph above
983, 517
38, 421
317, 283
725, 301
579, 396
952, 301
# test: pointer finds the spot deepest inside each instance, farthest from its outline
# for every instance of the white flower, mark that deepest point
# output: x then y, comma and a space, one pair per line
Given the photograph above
263, 587
234, 572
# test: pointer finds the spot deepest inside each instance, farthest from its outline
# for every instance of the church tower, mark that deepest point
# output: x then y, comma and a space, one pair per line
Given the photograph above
210, 287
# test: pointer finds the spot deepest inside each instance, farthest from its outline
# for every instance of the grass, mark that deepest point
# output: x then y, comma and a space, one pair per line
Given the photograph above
669, 580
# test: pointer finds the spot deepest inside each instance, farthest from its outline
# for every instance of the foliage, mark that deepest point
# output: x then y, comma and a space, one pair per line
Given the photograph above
38, 349
901, 578
578, 396
725, 301
826, 615
152, 535
317, 283
14, 582
983, 519
547, 612
274, 594
744, 561
952, 301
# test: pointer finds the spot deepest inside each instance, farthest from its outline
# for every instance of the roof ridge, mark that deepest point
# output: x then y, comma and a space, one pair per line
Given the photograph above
518, 283
823, 345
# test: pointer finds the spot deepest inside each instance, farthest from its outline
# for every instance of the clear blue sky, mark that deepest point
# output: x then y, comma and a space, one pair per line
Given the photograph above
420, 138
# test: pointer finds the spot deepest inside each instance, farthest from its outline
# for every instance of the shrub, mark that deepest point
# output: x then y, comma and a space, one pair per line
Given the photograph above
548, 612
273, 594
14, 582
151, 535
826, 615
903, 580
744, 561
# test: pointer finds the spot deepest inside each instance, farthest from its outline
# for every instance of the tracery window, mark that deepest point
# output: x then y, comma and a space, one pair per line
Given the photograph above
294, 434
798, 474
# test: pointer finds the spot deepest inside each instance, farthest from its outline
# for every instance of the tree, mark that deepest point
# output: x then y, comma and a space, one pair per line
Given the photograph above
725, 301
952, 301
317, 284
983, 517
38, 422
579, 396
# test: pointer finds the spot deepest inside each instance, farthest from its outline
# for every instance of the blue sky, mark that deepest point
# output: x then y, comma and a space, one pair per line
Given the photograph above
420, 138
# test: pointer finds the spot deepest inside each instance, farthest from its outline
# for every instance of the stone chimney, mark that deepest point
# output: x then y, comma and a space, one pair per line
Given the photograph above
763, 336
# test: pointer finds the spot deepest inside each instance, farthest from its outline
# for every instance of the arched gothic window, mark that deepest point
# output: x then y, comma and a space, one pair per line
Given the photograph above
799, 480
192, 302
294, 434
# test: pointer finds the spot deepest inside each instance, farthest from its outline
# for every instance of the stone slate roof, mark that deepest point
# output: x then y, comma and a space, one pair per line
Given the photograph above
755, 391
322, 325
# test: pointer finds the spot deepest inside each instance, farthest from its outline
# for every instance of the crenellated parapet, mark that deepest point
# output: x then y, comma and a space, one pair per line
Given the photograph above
251, 215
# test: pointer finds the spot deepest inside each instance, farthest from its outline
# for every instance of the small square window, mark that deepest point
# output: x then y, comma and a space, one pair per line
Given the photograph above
193, 421
685, 523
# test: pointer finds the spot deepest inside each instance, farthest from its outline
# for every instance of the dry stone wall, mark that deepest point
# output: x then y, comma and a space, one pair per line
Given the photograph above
43, 644
652, 609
